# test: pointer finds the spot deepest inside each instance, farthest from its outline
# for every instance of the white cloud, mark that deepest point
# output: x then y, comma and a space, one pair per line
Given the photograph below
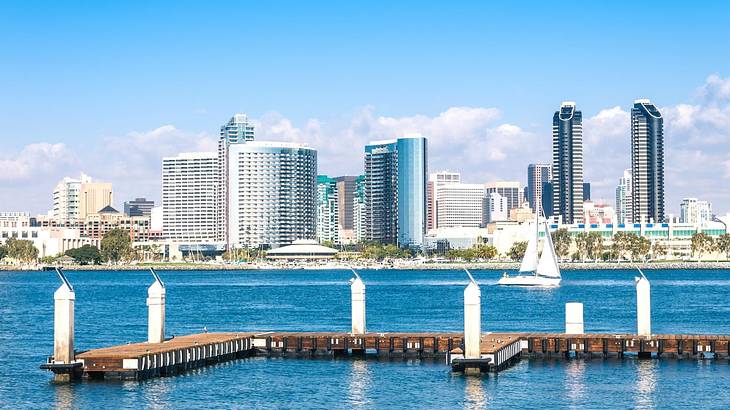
34, 161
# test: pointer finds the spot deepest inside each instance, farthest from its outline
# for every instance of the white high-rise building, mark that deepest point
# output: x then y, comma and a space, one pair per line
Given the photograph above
696, 212
459, 205
238, 130
271, 194
328, 211
623, 199
75, 199
496, 208
190, 185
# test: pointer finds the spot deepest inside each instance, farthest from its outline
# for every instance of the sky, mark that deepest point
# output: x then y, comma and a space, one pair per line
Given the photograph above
109, 88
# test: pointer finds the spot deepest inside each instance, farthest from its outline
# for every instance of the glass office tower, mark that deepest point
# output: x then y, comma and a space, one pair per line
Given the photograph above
412, 179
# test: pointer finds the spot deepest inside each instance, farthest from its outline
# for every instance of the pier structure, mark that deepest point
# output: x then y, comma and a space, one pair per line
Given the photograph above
470, 352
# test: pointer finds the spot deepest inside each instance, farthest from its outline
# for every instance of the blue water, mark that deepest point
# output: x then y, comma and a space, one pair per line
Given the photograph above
110, 309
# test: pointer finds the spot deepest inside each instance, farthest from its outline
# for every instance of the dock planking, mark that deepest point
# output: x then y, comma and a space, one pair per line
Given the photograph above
136, 361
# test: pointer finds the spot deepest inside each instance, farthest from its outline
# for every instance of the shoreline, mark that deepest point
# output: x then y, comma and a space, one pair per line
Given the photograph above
511, 266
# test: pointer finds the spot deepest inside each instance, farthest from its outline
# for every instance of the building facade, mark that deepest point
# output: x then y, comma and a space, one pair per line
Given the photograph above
459, 205
74, 199
346, 188
272, 194
509, 190
623, 198
328, 214
647, 162
694, 211
359, 222
496, 208
381, 192
537, 175
190, 186
139, 207
412, 176
568, 163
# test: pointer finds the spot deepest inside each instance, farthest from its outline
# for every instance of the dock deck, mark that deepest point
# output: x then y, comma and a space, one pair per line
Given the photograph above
499, 351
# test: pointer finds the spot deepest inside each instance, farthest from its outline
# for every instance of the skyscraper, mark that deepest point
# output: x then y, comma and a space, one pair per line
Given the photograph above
238, 130
412, 176
623, 198
435, 180
568, 163
75, 199
509, 190
271, 194
647, 162
346, 187
496, 208
395, 191
189, 197
138, 207
328, 214
694, 211
537, 174
381, 192
359, 223
459, 205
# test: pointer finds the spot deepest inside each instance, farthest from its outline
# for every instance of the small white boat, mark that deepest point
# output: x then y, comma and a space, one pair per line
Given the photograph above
534, 271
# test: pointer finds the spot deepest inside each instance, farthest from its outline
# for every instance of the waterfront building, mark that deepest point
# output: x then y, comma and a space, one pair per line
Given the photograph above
98, 224
272, 194
346, 188
459, 205
434, 181
694, 211
522, 213
647, 162
74, 199
509, 190
328, 214
594, 213
623, 198
238, 130
139, 207
395, 191
412, 175
568, 163
537, 176
190, 186
14, 220
496, 208
359, 222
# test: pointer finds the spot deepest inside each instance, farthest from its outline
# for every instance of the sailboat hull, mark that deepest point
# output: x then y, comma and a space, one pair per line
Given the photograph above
529, 280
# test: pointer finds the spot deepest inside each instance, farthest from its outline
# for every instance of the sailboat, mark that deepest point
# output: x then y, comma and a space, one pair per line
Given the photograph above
536, 271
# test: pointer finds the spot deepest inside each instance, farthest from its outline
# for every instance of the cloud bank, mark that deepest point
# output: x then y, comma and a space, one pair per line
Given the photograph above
472, 140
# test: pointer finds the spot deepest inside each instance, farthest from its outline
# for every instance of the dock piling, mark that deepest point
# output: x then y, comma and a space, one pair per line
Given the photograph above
643, 305
63, 325
156, 310
574, 318
472, 319
357, 292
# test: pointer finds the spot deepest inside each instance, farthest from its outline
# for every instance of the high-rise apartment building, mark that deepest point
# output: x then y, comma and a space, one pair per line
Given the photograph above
139, 207
459, 205
623, 198
509, 190
434, 181
586, 191
696, 212
359, 222
272, 194
395, 191
75, 199
328, 205
647, 162
346, 186
190, 188
238, 130
568, 163
537, 175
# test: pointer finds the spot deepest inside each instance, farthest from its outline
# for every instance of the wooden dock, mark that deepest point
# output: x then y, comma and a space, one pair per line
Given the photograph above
499, 350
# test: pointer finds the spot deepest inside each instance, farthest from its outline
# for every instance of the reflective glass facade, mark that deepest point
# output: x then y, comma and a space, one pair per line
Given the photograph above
412, 177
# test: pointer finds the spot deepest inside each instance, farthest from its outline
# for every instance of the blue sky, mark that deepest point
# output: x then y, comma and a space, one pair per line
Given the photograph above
84, 76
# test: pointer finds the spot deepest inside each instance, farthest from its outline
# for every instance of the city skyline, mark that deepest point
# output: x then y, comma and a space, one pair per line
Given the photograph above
55, 124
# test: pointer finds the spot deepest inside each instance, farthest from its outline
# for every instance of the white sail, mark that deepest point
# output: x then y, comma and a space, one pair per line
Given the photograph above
548, 264
529, 261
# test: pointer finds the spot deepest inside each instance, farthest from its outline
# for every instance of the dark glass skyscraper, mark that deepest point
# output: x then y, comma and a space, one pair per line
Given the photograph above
647, 162
568, 163
537, 175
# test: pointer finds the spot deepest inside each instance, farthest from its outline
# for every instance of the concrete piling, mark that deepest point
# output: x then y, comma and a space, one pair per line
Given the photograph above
643, 305
574, 318
63, 325
357, 293
156, 310
472, 320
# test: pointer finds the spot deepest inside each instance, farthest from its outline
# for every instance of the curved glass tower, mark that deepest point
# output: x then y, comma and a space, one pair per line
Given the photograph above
412, 178
647, 162
568, 163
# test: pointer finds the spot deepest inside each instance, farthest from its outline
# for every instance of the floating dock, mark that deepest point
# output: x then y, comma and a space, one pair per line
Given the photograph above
138, 361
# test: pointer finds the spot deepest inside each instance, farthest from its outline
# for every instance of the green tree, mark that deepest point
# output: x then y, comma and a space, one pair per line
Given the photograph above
485, 252
723, 245
595, 245
85, 255
3, 252
640, 246
562, 241
658, 250
621, 244
116, 245
582, 245
701, 243
21, 249
517, 251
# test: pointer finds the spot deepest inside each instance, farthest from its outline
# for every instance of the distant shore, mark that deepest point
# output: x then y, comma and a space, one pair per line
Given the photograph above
395, 266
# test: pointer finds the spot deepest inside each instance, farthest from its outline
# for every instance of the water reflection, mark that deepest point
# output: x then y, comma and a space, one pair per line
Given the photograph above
156, 392
646, 382
359, 384
64, 396
474, 396
575, 386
